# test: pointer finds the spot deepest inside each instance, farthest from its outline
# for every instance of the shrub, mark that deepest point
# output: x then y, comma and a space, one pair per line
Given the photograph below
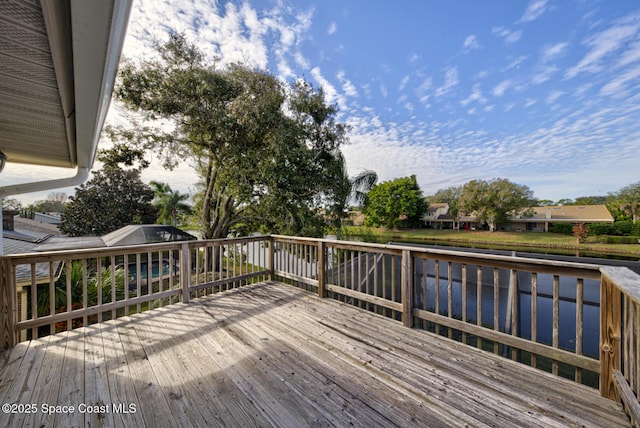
622, 228
565, 228
600, 229
622, 239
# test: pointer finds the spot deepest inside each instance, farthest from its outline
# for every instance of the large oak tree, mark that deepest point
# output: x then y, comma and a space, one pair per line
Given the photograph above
267, 154
496, 200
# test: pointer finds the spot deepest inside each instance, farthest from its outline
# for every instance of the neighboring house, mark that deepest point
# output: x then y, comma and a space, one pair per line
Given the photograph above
135, 234
50, 218
540, 221
544, 217
438, 217
23, 235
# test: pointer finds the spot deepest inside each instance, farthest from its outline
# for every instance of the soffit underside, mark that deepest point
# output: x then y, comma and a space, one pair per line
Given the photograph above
32, 123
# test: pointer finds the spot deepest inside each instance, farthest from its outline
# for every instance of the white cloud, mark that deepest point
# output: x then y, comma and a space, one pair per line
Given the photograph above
551, 52
383, 90
534, 10
544, 74
501, 87
403, 82
631, 55
606, 43
476, 95
553, 96
450, 81
616, 87
422, 89
329, 90
516, 63
333, 27
509, 36
348, 87
471, 42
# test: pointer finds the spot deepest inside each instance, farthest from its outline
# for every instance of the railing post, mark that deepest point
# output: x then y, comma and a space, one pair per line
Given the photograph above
610, 349
407, 289
7, 304
185, 272
321, 269
272, 258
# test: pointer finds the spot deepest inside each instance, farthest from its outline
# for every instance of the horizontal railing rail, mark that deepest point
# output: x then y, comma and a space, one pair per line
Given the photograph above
543, 313
44, 293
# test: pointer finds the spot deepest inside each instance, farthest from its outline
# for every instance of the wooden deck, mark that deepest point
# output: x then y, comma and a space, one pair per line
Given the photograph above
273, 355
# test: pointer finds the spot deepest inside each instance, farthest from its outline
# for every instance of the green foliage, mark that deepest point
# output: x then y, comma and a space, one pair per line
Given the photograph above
395, 203
267, 155
113, 198
544, 203
590, 200
618, 228
170, 203
627, 201
75, 275
496, 200
621, 239
564, 228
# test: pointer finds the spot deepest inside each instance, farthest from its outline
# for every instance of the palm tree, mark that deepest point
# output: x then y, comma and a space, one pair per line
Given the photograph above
353, 190
632, 208
360, 185
629, 199
170, 203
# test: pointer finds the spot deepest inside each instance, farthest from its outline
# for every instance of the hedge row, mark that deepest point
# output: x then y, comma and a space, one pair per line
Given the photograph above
619, 239
619, 228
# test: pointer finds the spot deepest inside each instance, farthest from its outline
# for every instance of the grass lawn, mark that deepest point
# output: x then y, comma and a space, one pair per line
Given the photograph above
515, 239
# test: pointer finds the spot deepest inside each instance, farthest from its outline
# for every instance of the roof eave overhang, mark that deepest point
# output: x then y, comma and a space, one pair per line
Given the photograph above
95, 69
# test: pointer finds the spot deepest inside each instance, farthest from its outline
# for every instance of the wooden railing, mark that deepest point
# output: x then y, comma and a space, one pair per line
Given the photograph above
620, 338
540, 312
44, 293
543, 313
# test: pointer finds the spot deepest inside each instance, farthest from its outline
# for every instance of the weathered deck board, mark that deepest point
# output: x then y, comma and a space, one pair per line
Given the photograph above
273, 355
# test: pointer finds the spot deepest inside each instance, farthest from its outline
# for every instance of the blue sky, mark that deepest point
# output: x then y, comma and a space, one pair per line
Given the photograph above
545, 93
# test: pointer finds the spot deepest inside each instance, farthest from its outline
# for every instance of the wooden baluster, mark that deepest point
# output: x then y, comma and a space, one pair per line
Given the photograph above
407, 288
579, 323
321, 269
610, 353
7, 303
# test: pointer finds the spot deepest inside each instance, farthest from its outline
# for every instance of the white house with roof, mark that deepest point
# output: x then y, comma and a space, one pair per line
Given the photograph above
438, 217
543, 217
540, 221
